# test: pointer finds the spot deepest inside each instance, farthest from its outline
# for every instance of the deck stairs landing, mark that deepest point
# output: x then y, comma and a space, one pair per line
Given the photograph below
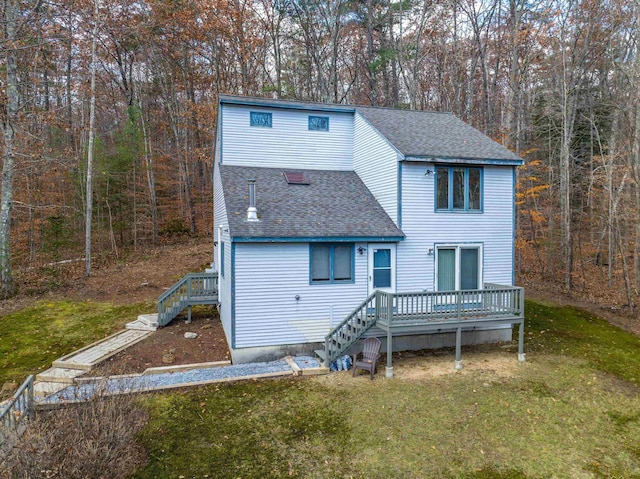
350, 330
193, 289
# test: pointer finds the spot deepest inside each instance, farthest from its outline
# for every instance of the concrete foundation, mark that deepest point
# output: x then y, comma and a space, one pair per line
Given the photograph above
441, 339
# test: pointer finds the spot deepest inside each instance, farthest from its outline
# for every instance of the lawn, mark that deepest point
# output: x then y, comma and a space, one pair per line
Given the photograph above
572, 410
32, 338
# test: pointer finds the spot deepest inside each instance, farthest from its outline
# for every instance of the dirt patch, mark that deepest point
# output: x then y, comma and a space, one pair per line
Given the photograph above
140, 277
496, 364
210, 345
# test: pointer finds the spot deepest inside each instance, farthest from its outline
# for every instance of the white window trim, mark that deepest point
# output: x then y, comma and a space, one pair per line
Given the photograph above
458, 247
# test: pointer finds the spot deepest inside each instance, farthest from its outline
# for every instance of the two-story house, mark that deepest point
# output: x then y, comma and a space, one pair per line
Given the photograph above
336, 218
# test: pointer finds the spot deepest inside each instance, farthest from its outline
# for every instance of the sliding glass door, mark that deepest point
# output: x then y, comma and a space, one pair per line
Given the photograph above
458, 267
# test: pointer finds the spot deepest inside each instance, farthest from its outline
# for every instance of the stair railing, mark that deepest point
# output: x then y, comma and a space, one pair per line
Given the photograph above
191, 287
354, 326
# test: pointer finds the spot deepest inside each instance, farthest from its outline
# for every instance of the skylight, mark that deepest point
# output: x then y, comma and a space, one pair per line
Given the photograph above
295, 178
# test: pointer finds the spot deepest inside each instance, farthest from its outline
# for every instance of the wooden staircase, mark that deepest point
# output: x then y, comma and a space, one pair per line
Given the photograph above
352, 328
192, 290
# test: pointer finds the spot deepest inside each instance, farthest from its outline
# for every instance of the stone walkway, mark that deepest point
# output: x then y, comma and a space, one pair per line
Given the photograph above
66, 380
88, 388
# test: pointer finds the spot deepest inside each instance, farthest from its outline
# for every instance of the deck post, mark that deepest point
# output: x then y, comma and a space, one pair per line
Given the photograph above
189, 314
458, 348
389, 369
522, 357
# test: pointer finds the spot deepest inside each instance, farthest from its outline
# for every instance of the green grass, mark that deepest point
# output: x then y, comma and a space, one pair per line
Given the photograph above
570, 411
32, 338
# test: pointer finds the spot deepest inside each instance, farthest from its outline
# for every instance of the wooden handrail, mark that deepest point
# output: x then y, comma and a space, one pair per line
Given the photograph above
191, 287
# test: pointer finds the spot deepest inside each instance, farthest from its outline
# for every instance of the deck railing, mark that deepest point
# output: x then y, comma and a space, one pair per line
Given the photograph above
493, 302
15, 412
190, 289
442, 306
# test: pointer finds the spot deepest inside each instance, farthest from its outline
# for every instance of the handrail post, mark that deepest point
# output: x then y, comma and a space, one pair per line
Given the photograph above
389, 308
458, 304
377, 308
327, 361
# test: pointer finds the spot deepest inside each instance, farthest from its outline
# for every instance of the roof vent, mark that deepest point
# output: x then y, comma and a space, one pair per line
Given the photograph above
295, 178
252, 211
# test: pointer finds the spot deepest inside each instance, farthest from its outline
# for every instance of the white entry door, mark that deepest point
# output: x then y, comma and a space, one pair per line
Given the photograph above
382, 267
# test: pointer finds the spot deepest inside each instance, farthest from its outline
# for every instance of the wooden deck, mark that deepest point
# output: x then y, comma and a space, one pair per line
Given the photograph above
427, 312
192, 290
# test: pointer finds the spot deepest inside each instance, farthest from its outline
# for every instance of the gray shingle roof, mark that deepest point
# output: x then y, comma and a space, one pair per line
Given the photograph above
414, 133
434, 135
335, 204
295, 104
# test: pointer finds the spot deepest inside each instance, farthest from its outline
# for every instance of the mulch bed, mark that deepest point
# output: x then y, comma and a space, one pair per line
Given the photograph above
210, 345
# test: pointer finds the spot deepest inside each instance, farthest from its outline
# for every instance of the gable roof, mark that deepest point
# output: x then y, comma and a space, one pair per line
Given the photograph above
416, 134
334, 205
291, 104
428, 135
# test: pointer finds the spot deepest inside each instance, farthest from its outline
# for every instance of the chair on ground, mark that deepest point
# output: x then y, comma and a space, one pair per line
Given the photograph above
370, 354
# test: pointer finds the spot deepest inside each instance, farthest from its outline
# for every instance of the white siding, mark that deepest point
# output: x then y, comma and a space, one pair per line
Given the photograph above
224, 283
376, 163
424, 228
269, 276
289, 143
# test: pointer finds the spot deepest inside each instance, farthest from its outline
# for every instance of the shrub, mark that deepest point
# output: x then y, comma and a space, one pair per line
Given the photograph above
96, 439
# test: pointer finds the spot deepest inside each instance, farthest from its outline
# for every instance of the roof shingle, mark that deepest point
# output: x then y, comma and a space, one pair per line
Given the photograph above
335, 204
418, 133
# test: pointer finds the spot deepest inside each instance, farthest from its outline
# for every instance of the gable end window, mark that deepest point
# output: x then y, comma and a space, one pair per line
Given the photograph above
331, 263
258, 118
458, 189
319, 123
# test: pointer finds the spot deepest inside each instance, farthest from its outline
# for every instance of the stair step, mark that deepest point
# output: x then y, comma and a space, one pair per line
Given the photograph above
59, 375
91, 355
320, 353
44, 389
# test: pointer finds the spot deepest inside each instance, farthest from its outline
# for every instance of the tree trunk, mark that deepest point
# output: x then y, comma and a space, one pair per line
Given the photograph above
10, 20
92, 119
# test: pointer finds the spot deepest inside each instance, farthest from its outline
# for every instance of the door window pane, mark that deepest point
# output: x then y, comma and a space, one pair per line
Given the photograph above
382, 278
342, 263
446, 269
474, 189
382, 268
320, 263
469, 268
442, 196
382, 258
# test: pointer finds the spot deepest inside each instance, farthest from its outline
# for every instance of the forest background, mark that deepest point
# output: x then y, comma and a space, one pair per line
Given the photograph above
130, 87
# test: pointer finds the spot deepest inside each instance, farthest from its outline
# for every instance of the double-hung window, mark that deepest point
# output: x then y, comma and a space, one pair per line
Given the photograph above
332, 263
458, 188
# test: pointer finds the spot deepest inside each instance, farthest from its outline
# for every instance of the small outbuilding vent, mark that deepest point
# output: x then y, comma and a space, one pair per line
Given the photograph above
295, 178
